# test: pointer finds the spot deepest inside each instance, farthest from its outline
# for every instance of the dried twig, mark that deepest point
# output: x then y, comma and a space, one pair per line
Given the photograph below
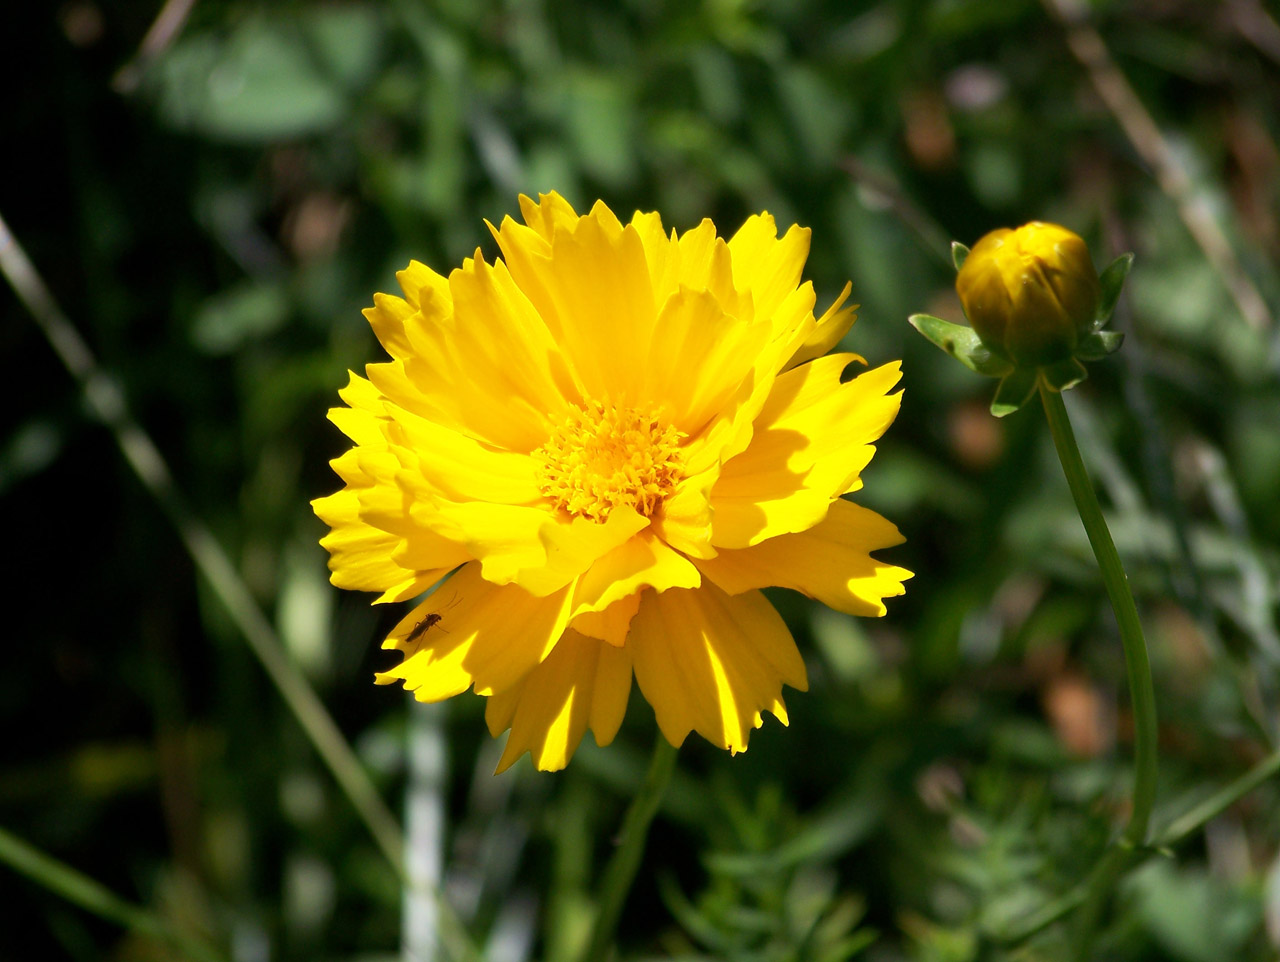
1145, 136
163, 31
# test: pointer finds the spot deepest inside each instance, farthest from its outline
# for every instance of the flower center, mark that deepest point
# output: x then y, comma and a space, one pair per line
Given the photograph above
606, 455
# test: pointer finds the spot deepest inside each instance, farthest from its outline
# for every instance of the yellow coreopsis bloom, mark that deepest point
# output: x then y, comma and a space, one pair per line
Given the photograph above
613, 437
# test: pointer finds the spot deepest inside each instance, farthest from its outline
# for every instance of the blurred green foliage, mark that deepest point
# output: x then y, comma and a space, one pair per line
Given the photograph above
215, 208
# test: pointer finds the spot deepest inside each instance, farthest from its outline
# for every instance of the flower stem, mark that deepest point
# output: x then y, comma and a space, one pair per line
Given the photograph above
1141, 689
621, 870
1213, 806
1178, 830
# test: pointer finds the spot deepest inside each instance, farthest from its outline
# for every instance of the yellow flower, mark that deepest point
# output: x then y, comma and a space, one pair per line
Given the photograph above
1031, 294
616, 437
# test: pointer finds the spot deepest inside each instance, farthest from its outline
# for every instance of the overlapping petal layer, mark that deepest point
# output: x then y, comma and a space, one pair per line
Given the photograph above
830, 562
487, 635
584, 683
711, 663
810, 442
616, 435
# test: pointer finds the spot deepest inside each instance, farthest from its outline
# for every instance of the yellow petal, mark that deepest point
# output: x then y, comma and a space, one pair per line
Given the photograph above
425, 290
391, 439
363, 558
611, 624
692, 326
743, 521
711, 663
376, 499
595, 293
582, 684
505, 539
388, 317
551, 211
360, 555
363, 420
661, 254
502, 338
706, 264
366, 555
827, 331
641, 562
353, 468
535, 548
685, 519
765, 265
789, 323
574, 547
809, 444
695, 250
463, 469
490, 369
526, 253
487, 636
830, 562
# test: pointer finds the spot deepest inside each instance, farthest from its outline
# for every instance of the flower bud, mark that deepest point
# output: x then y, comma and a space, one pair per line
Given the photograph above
1031, 294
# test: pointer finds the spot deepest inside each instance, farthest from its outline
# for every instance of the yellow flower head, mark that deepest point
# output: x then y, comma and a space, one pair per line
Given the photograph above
1031, 294
613, 437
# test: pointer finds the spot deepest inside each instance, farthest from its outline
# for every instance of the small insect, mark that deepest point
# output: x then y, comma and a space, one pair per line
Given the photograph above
429, 622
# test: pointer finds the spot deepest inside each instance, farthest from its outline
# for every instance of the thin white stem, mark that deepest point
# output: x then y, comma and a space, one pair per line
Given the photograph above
424, 813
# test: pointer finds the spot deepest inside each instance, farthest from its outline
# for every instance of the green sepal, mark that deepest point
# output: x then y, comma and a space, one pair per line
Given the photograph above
1015, 390
962, 343
1063, 375
958, 254
1111, 281
1096, 346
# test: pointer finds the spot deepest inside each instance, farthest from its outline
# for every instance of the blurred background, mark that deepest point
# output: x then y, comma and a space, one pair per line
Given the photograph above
213, 190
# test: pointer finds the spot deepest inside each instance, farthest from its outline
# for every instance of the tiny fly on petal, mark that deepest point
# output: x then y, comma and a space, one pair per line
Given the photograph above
430, 621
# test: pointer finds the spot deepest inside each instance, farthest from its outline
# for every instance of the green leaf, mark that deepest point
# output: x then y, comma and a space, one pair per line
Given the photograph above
1014, 391
849, 946
959, 253
346, 41
601, 119
1062, 375
962, 343
1098, 345
258, 84
250, 309
827, 836
817, 110
1172, 904
1111, 281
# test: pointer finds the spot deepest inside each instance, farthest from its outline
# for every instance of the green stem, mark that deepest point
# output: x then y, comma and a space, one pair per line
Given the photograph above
1190, 821
1181, 828
83, 891
621, 870
1141, 689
